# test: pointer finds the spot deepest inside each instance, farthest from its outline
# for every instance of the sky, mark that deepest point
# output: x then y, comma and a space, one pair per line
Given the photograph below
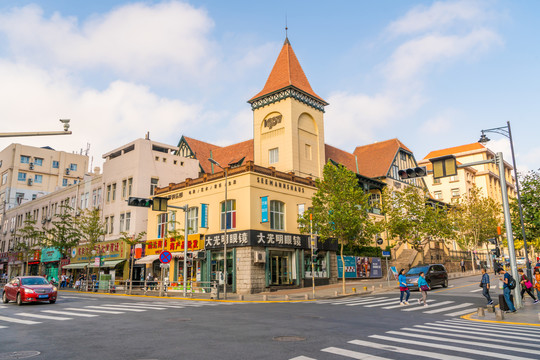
431, 73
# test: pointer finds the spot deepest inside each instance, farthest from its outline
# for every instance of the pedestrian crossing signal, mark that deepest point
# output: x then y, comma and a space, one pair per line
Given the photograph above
142, 202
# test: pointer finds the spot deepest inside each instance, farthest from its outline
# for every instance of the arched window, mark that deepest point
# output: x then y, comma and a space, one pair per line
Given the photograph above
228, 216
277, 215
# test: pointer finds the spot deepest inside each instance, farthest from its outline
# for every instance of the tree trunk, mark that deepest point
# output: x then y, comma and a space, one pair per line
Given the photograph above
490, 257
342, 268
472, 260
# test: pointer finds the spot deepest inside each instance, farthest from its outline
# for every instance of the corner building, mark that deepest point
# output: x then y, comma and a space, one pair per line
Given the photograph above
270, 182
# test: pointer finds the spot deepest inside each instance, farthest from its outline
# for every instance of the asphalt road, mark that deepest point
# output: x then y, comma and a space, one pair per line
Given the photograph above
91, 326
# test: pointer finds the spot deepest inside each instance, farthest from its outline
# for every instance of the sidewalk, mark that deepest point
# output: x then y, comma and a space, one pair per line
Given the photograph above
529, 314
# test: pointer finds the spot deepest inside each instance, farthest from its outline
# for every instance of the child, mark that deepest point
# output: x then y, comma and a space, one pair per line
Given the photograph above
423, 286
403, 288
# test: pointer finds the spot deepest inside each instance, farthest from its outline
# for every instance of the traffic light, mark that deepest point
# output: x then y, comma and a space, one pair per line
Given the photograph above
418, 171
496, 252
444, 166
142, 202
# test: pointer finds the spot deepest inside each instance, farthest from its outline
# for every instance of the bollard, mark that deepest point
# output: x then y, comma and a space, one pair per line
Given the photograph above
499, 315
373, 288
490, 309
240, 297
481, 312
265, 297
335, 293
354, 290
306, 296
538, 316
380, 285
365, 288
286, 296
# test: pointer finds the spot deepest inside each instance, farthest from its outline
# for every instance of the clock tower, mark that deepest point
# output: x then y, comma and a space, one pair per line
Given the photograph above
288, 120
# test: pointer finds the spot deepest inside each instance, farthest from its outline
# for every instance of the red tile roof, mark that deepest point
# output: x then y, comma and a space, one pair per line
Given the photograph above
374, 160
202, 151
343, 157
223, 155
286, 72
455, 150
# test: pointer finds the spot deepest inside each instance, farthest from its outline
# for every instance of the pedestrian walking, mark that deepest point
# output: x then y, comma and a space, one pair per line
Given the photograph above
506, 290
423, 286
462, 263
403, 288
63, 284
484, 284
526, 286
537, 282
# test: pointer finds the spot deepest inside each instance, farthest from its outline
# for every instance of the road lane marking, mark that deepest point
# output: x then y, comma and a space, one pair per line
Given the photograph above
466, 342
530, 330
477, 290
19, 321
67, 313
391, 301
447, 308
409, 309
352, 354
407, 351
449, 347
462, 312
166, 306
114, 308
428, 307
38, 316
524, 332
151, 307
451, 287
346, 300
354, 301
302, 358
95, 311
384, 299
459, 329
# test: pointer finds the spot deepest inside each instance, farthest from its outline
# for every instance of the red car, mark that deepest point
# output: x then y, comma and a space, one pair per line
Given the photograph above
29, 289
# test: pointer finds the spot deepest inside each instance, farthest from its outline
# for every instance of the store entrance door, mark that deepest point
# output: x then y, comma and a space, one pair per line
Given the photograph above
279, 270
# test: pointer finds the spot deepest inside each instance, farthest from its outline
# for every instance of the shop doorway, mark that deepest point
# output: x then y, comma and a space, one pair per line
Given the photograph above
280, 268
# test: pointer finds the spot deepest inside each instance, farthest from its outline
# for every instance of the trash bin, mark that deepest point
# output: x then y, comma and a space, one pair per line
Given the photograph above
214, 291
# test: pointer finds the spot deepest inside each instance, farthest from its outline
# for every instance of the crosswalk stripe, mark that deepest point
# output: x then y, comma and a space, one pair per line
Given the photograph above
166, 306
368, 302
449, 347
95, 311
150, 307
462, 312
3, 327
447, 308
517, 328
196, 304
465, 342
407, 351
108, 307
302, 358
408, 309
430, 306
477, 290
67, 313
468, 336
19, 321
459, 329
480, 328
353, 354
342, 301
392, 301
38, 316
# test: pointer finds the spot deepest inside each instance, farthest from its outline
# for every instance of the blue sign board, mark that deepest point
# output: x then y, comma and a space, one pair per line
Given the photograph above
165, 257
264, 209
357, 267
204, 215
50, 254
386, 253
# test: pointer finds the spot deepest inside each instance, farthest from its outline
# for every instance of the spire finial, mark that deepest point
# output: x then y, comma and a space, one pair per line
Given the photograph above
286, 32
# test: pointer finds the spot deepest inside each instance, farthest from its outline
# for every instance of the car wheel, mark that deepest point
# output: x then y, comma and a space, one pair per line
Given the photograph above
5, 300
19, 299
52, 301
445, 283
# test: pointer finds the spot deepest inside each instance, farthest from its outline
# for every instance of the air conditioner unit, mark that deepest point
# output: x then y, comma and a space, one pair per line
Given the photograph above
260, 257
30, 182
31, 166
67, 171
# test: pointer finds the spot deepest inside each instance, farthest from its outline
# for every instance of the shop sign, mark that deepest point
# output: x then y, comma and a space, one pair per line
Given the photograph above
264, 209
357, 267
265, 239
50, 254
64, 262
34, 256
154, 247
204, 216
108, 250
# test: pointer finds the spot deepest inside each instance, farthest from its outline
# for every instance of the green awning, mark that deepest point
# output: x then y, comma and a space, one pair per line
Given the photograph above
75, 266
112, 263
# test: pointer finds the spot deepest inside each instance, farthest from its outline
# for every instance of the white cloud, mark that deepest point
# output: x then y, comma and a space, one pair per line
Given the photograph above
439, 124
134, 40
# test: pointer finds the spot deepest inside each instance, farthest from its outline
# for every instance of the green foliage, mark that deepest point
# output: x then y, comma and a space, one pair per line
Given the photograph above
63, 233
364, 251
29, 238
530, 200
132, 239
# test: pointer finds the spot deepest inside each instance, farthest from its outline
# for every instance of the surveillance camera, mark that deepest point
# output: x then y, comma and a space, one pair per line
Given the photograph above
66, 124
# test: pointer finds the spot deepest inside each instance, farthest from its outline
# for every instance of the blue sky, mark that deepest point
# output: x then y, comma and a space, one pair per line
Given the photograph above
431, 73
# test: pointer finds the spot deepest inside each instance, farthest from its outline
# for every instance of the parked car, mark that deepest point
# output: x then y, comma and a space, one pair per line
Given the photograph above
23, 289
435, 275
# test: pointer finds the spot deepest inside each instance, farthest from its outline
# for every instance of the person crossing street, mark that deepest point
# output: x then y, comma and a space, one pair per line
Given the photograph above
484, 284
423, 286
403, 288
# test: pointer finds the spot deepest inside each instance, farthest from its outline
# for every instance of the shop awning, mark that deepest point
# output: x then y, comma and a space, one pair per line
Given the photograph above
147, 259
178, 255
75, 266
112, 263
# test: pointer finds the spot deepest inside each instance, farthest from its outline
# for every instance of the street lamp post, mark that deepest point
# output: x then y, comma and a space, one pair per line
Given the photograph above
507, 131
225, 231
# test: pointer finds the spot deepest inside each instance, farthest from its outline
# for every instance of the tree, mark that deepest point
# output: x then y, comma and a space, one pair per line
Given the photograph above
476, 218
411, 216
530, 201
30, 238
340, 210
90, 230
132, 240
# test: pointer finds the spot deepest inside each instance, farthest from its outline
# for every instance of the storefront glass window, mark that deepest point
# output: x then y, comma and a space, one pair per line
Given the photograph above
320, 265
229, 216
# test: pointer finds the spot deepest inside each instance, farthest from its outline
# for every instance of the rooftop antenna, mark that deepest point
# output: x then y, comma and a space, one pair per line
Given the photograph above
286, 28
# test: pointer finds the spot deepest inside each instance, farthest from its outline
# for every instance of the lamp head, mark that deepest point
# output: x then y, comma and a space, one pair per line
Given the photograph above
214, 162
483, 139
66, 124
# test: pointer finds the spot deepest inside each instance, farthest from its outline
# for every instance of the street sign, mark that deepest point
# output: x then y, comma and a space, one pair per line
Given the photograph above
97, 261
165, 257
386, 253
379, 241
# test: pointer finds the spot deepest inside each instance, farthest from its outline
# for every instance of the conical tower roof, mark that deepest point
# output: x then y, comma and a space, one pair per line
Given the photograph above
287, 72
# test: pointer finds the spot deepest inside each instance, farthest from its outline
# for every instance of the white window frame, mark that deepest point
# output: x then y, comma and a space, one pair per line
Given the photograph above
277, 215
273, 156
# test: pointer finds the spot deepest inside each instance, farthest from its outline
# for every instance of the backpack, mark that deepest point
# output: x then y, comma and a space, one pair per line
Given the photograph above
511, 283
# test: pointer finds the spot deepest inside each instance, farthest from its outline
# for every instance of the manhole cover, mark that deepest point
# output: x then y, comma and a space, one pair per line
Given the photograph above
18, 355
289, 338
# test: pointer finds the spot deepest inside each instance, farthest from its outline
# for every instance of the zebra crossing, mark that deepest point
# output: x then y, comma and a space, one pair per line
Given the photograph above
70, 311
447, 307
450, 339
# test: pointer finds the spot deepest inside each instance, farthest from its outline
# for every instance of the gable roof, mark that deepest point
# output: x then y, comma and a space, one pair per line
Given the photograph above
343, 157
455, 150
285, 73
374, 160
